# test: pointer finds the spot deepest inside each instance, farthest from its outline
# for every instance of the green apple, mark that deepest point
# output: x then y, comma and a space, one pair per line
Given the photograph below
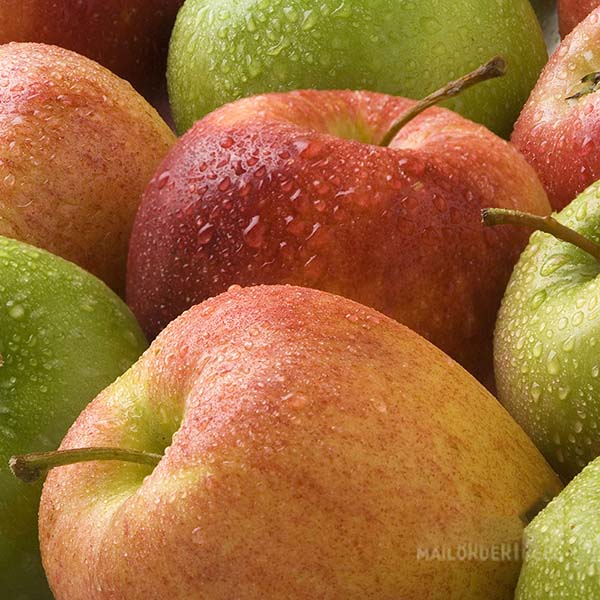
562, 553
63, 337
299, 446
222, 50
547, 339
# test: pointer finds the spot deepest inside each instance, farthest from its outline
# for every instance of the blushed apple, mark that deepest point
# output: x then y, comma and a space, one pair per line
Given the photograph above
308, 447
297, 188
129, 37
559, 129
77, 148
572, 12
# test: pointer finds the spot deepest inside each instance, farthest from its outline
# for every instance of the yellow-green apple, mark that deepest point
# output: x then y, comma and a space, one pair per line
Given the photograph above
562, 553
223, 50
558, 130
572, 12
298, 188
547, 333
305, 446
64, 336
129, 37
77, 148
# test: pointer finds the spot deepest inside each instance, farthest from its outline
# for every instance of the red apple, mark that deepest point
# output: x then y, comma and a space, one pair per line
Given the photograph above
294, 188
558, 130
78, 146
130, 37
304, 447
572, 12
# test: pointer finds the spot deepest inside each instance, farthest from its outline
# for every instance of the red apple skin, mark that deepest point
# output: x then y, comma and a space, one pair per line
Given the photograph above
265, 190
78, 146
129, 37
317, 446
572, 12
560, 137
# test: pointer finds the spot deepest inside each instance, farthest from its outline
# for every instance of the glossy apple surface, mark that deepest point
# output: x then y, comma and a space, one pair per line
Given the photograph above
311, 447
562, 552
293, 188
63, 337
129, 37
559, 128
546, 341
572, 12
222, 51
77, 147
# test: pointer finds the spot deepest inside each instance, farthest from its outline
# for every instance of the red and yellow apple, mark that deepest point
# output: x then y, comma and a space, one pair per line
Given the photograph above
572, 12
296, 188
558, 130
310, 447
78, 146
129, 37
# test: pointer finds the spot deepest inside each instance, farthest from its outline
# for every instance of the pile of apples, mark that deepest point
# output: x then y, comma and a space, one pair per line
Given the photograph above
330, 317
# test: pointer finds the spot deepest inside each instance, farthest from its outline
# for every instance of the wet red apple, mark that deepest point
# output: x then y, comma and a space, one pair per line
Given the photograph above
558, 130
296, 188
572, 12
130, 37
78, 146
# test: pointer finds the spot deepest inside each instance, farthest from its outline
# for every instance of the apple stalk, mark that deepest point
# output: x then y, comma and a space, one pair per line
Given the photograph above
495, 67
548, 224
30, 467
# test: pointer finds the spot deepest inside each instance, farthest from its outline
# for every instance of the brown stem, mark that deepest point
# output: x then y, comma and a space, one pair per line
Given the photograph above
503, 216
496, 67
30, 467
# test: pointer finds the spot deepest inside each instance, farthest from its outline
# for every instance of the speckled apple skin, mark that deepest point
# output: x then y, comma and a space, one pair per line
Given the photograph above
129, 37
77, 148
289, 188
560, 137
572, 12
317, 445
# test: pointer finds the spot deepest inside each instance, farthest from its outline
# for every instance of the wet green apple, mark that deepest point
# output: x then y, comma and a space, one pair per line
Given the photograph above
562, 557
64, 336
547, 339
224, 50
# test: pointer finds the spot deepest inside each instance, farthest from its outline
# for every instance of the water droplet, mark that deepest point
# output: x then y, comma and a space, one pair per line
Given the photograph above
552, 363
254, 233
163, 179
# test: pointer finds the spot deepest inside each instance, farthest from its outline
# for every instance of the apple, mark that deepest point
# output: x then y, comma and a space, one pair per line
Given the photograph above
64, 336
562, 553
559, 128
226, 50
129, 37
296, 445
572, 12
547, 333
298, 188
77, 147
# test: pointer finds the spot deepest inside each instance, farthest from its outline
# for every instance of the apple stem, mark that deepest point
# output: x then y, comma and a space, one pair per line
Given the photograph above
30, 467
496, 67
502, 216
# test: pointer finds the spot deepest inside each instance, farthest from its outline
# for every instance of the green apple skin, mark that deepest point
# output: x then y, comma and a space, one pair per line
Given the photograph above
64, 336
547, 341
224, 50
562, 558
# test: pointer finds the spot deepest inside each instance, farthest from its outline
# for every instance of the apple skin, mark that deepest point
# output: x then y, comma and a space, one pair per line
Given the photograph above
77, 147
223, 51
129, 37
289, 188
562, 553
572, 12
548, 329
313, 445
560, 137
64, 336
